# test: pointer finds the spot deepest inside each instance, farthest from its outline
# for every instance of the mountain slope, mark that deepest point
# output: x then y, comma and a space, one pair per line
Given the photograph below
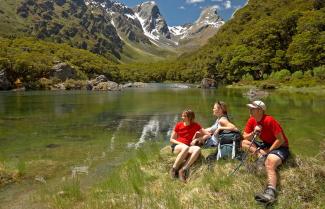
104, 27
262, 38
62, 21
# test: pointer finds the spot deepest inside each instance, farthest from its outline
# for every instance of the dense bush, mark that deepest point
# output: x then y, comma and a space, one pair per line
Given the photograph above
281, 75
297, 75
31, 59
247, 77
319, 72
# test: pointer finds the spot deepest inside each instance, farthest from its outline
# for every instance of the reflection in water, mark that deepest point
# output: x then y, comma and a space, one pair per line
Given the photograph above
156, 128
170, 130
115, 133
149, 131
93, 129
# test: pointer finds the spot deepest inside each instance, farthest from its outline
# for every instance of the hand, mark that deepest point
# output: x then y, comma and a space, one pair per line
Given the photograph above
257, 129
194, 142
264, 151
216, 132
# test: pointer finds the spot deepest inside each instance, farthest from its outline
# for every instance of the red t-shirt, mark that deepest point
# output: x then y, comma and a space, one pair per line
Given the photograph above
270, 128
185, 134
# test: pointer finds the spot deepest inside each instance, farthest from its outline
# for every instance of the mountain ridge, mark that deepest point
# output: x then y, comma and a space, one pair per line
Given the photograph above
95, 25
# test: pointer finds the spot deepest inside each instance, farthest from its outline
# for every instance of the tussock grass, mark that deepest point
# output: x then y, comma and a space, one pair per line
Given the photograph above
144, 182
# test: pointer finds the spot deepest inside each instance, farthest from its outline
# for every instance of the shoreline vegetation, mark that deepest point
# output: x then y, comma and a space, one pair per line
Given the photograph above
147, 184
144, 182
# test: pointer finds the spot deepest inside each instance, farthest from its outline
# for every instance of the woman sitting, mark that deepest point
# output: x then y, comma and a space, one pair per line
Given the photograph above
181, 139
210, 135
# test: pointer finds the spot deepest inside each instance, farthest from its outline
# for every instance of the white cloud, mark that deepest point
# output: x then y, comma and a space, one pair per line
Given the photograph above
181, 7
194, 1
227, 4
217, 0
216, 7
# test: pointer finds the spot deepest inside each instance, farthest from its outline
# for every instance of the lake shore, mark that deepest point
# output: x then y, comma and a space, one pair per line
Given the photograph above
147, 184
320, 89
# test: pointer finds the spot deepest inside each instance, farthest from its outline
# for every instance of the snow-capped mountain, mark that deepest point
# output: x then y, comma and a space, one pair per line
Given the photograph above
107, 26
153, 23
206, 25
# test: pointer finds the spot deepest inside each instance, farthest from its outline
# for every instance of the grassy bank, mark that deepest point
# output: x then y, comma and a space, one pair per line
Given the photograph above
144, 182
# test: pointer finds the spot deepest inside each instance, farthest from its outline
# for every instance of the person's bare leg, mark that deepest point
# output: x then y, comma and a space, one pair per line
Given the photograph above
194, 152
271, 163
182, 151
269, 195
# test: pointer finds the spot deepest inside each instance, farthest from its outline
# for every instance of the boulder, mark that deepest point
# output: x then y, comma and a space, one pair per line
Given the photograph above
4, 82
139, 85
127, 85
63, 72
134, 85
255, 94
101, 78
59, 86
106, 86
207, 83
94, 82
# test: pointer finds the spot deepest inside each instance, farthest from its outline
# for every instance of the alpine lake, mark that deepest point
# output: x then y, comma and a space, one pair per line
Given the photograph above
51, 136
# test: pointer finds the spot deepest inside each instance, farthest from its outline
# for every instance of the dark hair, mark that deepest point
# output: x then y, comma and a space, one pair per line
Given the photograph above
190, 114
223, 107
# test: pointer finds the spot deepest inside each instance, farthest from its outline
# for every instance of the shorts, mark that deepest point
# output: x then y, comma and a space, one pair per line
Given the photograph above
281, 152
210, 142
173, 147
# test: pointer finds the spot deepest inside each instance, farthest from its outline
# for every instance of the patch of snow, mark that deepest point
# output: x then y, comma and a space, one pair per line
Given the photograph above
130, 16
147, 33
103, 4
177, 30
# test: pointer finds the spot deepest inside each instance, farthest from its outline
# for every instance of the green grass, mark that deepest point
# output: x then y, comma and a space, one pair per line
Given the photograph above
144, 182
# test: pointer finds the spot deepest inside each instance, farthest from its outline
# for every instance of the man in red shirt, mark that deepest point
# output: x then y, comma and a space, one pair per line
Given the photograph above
182, 145
274, 148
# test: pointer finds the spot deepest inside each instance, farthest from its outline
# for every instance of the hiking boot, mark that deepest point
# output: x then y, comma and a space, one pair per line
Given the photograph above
183, 174
173, 173
267, 197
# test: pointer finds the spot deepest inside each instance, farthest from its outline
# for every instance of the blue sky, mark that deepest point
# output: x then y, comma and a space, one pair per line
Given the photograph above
178, 12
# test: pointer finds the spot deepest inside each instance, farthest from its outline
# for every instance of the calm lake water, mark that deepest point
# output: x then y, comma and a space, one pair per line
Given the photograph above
52, 135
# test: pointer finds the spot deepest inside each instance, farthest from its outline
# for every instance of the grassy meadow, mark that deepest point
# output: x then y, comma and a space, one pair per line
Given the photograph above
144, 182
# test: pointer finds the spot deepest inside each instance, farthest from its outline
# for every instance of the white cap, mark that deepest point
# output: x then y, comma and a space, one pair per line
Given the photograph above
257, 104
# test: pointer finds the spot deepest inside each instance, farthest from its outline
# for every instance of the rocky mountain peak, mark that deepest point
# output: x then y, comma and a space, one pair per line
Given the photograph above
109, 6
152, 21
209, 16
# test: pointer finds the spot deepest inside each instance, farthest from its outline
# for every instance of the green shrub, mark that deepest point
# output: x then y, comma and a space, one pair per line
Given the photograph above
281, 75
319, 72
297, 75
247, 77
45, 83
265, 76
308, 74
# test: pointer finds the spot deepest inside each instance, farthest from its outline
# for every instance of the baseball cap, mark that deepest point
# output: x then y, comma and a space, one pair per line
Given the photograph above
257, 104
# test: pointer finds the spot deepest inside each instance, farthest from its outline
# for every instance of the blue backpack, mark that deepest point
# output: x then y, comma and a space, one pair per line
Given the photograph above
228, 144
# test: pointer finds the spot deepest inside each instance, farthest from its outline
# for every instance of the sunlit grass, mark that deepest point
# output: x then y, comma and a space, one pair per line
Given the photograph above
143, 182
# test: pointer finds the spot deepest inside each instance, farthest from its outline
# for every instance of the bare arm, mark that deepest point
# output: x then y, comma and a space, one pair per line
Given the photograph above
200, 136
225, 124
249, 136
173, 138
277, 143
